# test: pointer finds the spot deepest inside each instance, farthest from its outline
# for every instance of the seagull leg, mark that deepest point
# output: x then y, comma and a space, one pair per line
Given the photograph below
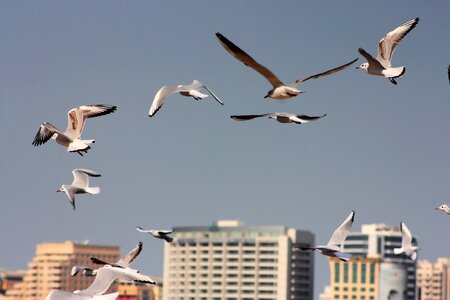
392, 80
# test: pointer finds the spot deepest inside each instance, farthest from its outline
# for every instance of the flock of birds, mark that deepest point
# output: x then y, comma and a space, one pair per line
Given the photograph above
71, 140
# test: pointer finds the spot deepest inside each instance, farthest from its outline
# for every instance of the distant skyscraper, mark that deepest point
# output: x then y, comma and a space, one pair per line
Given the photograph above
129, 290
50, 268
374, 272
433, 279
232, 261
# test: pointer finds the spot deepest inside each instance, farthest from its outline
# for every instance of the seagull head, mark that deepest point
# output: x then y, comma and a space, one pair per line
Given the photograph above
444, 208
364, 66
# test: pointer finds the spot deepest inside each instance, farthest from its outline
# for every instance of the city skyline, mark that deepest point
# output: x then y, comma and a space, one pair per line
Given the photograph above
382, 150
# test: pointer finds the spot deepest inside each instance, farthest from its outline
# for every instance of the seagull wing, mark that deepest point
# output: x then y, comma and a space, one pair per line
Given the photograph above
304, 118
161, 97
406, 236
370, 59
341, 233
81, 177
248, 117
127, 259
63, 295
247, 60
97, 261
329, 72
134, 275
388, 43
163, 232
45, 132
105, 276
76, 117
214, 95
140, 229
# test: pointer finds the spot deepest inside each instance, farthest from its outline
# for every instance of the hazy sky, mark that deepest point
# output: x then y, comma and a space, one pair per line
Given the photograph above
382, 150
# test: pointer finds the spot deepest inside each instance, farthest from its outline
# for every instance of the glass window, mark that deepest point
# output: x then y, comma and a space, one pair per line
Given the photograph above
336, 272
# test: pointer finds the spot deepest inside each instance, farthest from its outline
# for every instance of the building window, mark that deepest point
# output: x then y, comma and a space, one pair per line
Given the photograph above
354, 273
363, 273
372, 273
336, 272
345, 273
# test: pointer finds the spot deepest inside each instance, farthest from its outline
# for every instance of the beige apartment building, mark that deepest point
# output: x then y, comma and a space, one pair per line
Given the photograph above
50, 268
232, 261
433, 279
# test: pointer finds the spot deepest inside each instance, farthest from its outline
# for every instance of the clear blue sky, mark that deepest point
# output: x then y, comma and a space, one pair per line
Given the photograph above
383, 150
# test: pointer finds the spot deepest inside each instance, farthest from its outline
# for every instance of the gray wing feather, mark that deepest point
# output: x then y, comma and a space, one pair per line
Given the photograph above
247, 60
329, 72
341, 233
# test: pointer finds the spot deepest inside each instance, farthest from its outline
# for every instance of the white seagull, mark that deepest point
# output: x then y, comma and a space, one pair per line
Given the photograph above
105, 277
71, 138
445, 208
381, 66
338, 238
160, 234
407, 247
124, 261
85, 271
63, 295
280, 117
80, 185
191, 90
280, 90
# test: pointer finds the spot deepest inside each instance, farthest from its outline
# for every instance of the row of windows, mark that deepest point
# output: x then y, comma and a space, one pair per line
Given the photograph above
192, 243
218, 275
245, 268
363, 272
193, 252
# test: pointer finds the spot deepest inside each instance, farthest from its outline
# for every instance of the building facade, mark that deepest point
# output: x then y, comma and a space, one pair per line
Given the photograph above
129, 290
433, 279
374, 272
232, 261
50, 268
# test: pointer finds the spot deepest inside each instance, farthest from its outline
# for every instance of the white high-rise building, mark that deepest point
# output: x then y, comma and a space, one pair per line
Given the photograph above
232, 261
433, 279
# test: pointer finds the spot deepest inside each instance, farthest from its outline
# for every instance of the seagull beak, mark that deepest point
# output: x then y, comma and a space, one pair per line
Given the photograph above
358, 68
437, 208
266, 96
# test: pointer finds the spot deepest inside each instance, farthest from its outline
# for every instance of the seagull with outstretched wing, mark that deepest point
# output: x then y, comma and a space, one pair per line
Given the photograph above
280, 90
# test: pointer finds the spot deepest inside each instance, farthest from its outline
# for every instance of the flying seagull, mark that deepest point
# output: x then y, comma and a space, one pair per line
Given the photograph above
124, 261
280, 117
381, 66
280, 90
63, 295
407, 247
80, 185
191, 90
85, 271
105, 277
160, 234
71, 138
338, 238
445, 208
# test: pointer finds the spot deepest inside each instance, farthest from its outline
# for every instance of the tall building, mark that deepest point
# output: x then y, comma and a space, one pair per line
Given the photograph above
374, 272
433, 279
129, 290
232, 261
9, 279
50, 268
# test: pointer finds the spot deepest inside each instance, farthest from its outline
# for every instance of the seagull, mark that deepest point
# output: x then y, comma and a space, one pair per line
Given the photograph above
445, 208
105, 277
280, 90
280, 117
71, 138
124, 261
160, 234
80, 185
85, 271
381, 66
338, 238
407, 247
191, 90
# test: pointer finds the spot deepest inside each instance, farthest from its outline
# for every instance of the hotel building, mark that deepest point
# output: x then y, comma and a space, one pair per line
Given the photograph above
433, 279
232, 261
374, 272
50, 269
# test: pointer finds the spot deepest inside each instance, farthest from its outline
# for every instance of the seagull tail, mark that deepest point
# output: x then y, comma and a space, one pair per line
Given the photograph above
394, 72
343, 256
93, 190
168, 239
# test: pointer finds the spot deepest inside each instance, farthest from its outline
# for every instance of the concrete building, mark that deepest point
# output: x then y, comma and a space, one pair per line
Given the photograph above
129, 290
433, 279
9, 279
374, 272
232, 261
50, 269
